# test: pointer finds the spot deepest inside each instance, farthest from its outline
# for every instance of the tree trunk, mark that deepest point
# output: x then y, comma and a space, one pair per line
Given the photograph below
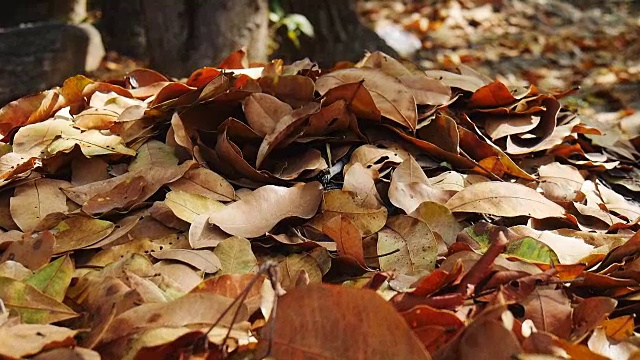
339, 33
15, 13
183, 35
122, 27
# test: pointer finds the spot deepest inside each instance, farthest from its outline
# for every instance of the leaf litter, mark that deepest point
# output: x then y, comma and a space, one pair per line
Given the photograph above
379, 212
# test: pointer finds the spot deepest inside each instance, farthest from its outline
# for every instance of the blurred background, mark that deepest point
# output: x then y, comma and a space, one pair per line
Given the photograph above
556, 45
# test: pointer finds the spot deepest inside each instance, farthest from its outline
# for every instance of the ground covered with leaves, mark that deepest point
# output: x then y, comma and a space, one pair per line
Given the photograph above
371, 211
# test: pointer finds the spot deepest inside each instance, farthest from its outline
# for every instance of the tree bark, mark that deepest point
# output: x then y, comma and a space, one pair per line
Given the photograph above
122, 27
339, 33
30, 11
183, 35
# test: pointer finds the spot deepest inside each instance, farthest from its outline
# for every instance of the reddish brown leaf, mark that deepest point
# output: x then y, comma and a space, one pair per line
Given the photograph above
341, 323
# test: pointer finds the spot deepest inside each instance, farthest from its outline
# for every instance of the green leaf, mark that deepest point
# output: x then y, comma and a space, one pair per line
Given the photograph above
482, 238
236, 256
33, 306
53, 279
532, 250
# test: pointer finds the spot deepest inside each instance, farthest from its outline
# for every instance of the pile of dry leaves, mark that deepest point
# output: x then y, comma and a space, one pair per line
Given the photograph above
371, 211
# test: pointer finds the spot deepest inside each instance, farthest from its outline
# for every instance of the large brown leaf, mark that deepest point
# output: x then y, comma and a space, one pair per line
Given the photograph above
268, 205
34, 200
196, 308
504, 199
23, 340
341, 323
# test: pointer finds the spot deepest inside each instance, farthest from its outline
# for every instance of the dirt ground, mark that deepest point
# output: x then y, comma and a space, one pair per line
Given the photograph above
555, 45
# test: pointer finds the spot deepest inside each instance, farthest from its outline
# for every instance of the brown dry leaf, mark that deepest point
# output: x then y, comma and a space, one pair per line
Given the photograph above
120, 197
589, 314
264, 112
34, 200
620, 328
182, 277
92, 118
493, 95
424, 89
187, 206
23, 340
374, 158
75, 353
202, 234
341, 323
287, 129
196, 308
550, 311
78, 232
201, 181
269, 204
356, 97
33, 140
156, 177
87, 170
299, 270
329, 119
358, 180
461, 81
390, 95
477, 336
33, 251
347, 237
414, 243
29, 110
154, 153
204, 260
232, 286
440, 220
14, 270
600, 344
504, 199
410, 187
441, 131
92, 143
560, 182
339, 202
295, 90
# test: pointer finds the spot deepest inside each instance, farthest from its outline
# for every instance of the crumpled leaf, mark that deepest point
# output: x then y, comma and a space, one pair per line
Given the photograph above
390, 95
410, 187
